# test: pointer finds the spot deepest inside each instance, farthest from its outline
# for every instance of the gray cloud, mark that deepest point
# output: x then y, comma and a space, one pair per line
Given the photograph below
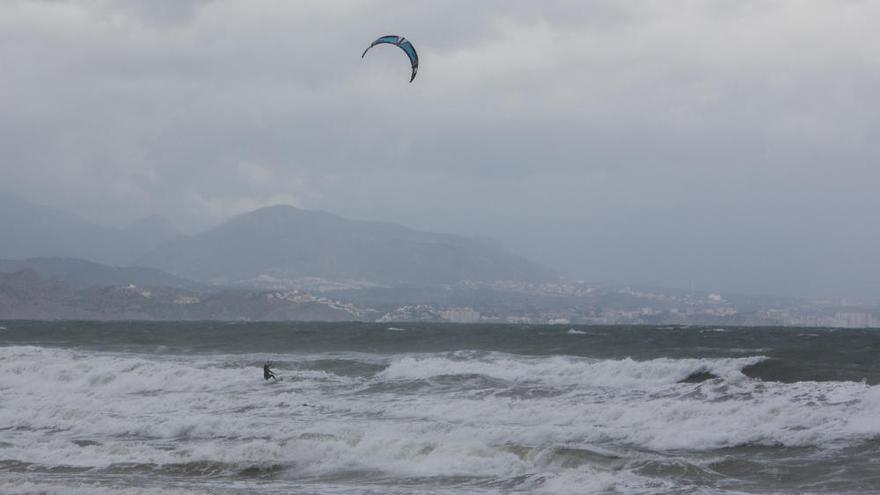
728, 144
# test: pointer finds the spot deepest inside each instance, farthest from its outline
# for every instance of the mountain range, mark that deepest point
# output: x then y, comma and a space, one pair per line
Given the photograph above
286, 242
282, 263
278, 242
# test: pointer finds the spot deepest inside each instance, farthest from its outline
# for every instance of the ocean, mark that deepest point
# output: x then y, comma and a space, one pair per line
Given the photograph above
413, 408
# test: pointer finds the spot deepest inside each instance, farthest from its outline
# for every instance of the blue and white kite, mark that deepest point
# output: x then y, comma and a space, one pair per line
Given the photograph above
404, 45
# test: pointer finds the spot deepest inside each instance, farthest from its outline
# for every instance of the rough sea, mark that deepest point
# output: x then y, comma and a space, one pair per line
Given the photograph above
131, 407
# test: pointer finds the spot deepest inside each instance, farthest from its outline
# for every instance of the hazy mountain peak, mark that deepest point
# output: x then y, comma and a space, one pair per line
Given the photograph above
291, 242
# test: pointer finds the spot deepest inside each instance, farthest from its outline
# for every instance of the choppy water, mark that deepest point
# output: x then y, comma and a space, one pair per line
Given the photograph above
367, 408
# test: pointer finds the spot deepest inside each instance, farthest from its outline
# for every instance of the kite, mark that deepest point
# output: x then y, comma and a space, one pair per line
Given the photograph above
404, 45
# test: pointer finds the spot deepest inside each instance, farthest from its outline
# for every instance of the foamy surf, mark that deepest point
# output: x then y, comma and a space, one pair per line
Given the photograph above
566, 370
463, 421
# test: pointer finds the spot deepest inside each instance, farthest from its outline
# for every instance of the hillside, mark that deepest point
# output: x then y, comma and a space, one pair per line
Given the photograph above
283, 241
80, 274
25, 295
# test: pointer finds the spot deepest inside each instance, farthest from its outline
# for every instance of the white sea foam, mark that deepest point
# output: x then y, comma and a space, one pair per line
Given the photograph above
97, 410
564, 370
22, 487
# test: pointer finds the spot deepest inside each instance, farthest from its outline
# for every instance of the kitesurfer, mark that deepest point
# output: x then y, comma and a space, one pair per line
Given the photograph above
267, 372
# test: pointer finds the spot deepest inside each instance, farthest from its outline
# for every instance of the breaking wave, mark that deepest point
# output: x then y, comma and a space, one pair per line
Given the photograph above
564, 370
483, 420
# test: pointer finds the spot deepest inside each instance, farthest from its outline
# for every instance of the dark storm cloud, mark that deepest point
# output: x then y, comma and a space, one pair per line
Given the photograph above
728, 144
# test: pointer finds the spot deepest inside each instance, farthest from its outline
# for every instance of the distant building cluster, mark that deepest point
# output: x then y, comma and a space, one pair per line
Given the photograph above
557, 303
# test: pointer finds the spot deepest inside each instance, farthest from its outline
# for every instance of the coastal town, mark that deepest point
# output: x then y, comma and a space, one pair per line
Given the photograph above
27, 295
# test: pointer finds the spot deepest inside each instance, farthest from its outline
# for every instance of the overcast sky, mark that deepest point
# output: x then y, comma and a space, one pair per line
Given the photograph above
733, 145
